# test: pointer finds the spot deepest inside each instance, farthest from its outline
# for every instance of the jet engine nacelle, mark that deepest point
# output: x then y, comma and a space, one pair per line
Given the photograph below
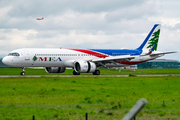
84, 67
55, 69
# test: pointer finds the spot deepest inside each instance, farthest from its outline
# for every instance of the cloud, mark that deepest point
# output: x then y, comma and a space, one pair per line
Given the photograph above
132, 12
22, 8
32, 38
64, 16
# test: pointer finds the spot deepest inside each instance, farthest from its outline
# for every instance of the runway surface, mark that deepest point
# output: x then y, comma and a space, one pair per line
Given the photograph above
87, 75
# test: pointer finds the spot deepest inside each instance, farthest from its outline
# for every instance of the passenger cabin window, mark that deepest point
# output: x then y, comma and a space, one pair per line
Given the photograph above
13, 54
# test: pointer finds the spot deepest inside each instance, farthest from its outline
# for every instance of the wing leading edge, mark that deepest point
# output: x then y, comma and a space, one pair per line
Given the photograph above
114, 58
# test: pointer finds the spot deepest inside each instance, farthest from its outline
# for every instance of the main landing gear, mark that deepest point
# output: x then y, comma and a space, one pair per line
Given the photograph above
23, 72
75, 73
96, 72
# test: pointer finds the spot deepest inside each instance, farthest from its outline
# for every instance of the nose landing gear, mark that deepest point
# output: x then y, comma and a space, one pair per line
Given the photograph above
23, 72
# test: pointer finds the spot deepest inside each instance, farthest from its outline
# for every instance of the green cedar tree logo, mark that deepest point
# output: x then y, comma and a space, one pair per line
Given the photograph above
35, 58
154, 40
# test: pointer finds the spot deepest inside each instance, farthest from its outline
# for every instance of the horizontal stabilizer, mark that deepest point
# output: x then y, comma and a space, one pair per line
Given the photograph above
154, 54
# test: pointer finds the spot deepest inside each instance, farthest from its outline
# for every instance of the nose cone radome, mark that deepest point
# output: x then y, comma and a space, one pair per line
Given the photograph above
10, 61
5, 61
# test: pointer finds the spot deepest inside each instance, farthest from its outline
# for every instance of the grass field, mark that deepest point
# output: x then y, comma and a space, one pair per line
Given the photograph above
29, 71
101, 97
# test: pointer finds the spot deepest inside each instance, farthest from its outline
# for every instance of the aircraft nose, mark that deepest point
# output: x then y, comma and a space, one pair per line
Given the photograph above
10, 61
4, 60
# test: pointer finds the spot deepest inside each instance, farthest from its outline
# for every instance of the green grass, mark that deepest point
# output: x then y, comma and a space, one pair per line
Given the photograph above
102, 97
29, 71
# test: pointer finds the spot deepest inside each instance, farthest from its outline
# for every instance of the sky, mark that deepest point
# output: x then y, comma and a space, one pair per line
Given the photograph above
102, 24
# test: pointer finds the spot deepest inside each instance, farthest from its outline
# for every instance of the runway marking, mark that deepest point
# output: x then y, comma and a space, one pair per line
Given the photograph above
88, 75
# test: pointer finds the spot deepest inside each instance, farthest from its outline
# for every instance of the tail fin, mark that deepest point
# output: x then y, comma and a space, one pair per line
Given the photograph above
151, 41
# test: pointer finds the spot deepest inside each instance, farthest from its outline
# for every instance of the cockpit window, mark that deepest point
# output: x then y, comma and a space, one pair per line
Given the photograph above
13, 54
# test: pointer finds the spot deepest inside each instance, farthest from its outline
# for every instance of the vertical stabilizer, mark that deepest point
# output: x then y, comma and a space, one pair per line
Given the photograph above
151, 40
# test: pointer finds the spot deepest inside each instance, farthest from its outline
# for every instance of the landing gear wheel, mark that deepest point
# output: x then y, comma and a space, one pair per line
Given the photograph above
75, 73
22, 73
96, 72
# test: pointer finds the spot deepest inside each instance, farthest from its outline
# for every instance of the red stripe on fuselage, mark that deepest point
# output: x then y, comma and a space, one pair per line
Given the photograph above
90, 53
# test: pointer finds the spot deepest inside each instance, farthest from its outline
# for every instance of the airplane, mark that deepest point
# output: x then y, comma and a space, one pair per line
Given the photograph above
40, 18
56, 60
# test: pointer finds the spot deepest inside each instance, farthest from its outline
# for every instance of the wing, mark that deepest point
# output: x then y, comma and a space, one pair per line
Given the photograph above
112, 59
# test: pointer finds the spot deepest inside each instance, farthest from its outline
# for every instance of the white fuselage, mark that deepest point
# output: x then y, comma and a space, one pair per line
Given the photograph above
41, 57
